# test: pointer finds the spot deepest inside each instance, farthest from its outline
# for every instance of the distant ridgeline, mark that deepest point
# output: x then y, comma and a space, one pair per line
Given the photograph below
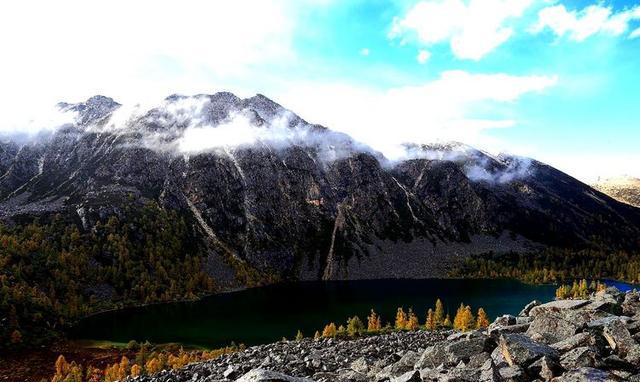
114, 209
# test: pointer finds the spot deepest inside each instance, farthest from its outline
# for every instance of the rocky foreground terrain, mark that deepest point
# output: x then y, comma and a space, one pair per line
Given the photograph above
597, 339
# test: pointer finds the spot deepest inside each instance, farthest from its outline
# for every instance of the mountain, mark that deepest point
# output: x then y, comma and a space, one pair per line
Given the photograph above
261, 190
625, 189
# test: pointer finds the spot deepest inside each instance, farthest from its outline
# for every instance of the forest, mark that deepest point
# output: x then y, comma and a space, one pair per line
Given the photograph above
554, 265
52, 273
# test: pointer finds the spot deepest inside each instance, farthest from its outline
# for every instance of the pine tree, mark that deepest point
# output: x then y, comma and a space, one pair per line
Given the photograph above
458, 319
447, 322
330, 331
412, 322
136, 370
342, 331
482, 321
431, 320
401, 319
355, 327
317, 335
439, 313
299, 336
373, 322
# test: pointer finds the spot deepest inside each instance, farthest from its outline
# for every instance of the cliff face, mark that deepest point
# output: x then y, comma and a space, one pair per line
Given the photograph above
281, 195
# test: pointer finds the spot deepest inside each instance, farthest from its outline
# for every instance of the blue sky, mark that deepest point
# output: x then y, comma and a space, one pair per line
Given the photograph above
554, 80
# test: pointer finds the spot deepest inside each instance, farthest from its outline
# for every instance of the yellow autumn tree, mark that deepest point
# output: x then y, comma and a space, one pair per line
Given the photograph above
355, 327
330, 331
136, 370
439, 313
463, 319
401, 319
299, 336
317, 335
153, 365
447, 322
431, 320
373, 322
412, 322
482, 321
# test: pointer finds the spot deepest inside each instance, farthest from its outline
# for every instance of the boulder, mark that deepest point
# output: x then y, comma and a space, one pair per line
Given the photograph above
558, 305
580, 339
553, 325
545, 368
262, 375
520, 350
579, 357
463, 350
620, 340
631, 304
489, 372
527, 308
496, 332
513, 374
432, 357
409, 376
587, 374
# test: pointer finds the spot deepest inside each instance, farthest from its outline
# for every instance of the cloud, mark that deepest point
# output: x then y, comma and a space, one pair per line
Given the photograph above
73, 49
635, 34
582, 24
364, 51
441, 110
473, 29
423, 56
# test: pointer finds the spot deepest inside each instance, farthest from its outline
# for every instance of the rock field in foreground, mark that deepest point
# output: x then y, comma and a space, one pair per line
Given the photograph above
597, 339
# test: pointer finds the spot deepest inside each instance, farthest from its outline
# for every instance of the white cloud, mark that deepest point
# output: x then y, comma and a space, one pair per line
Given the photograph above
473, 29
635, 34
589, 166
423, 56
69, 50
364, 51
580, 25
440, 110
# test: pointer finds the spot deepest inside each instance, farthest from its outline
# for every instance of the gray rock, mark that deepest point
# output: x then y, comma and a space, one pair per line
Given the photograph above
587, 374
620, 340
579, 357
520, 350
557, 305
489, 372
527, 308
261, 375
409, 376
513, 374
546, 368
580, 339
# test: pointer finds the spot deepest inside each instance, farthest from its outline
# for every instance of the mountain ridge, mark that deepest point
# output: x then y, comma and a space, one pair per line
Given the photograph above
298, 199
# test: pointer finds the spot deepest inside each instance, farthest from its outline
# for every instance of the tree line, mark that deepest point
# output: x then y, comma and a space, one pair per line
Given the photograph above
435, 319
554, 265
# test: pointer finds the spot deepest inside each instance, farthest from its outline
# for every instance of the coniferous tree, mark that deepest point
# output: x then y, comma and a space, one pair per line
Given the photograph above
482, 321
299, 336
355, 327
439, 313
431, 320
447, 322
401, 319
412, 321
330, 331
373, 322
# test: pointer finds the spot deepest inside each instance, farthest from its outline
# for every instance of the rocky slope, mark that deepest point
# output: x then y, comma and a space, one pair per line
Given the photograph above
625, 189
264, 189
597, 339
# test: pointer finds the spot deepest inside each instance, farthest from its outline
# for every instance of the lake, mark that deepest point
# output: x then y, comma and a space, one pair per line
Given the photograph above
262, 315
